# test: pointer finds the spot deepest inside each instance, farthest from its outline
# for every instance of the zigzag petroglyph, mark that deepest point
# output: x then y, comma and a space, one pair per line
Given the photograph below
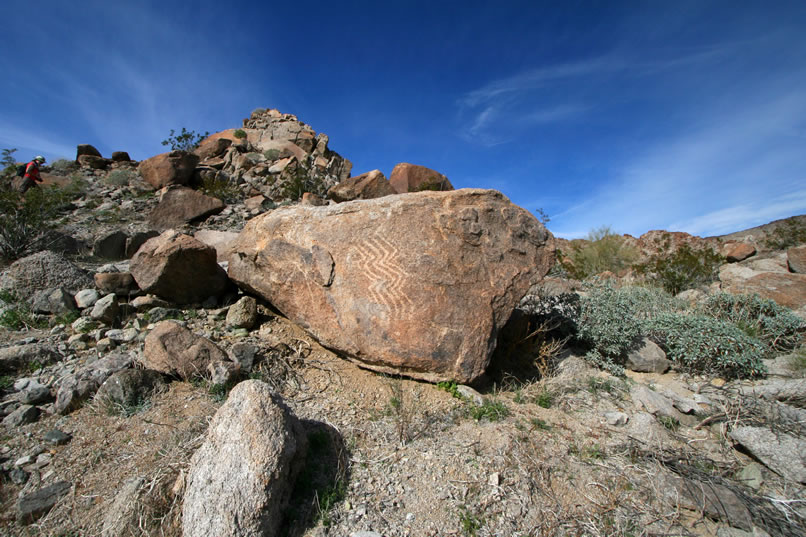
377, 259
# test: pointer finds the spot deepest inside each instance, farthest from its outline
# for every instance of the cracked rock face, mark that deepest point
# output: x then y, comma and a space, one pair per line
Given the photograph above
417, 284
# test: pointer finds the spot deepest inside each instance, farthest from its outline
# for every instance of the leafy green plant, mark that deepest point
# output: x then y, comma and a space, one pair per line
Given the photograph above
540, 424
544, 398
758, 317
685, 268
271, 154
239, 133
703, 344
185, 140
451, 388
301, 182
24, 218
6, 382
603, 250
671, 423
491, 410
469, 522
785, 235
221, 189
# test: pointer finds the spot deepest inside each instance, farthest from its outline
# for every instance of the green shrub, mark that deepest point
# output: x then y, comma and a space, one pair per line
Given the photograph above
612, 321
786, 234
119, 177
685, 268
271, 154
185, 140
25, 217
64, 166
239, 133
300, 183
704, 344
491, 410
603, 251
762, 318
221, 189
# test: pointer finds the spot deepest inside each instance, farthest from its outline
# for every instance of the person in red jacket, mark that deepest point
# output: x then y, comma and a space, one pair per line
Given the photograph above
32, 176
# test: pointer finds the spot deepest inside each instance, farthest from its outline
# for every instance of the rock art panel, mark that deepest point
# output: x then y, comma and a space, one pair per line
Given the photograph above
416, 284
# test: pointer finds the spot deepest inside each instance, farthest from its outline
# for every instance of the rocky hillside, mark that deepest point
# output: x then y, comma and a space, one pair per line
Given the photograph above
246, 340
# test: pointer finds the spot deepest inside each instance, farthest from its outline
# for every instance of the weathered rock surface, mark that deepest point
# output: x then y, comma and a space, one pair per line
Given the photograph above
253, 441
220, 240
178, 268
796, 259
87, 149
23, 415
111, 245
35, 505
738, 251
122, 514
366, 186
243, 314
422, 291
56, 301
17, 357
118, 283
649, 358
106, 309
407, 177
786, 289
780, 452
179, 206
172, 349
129, 387
173, 168
41, 271
77, 388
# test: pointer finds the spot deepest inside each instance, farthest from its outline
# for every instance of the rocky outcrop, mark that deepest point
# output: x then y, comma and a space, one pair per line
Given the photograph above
240, 479
80, 386
407, 177
174, 350
178, 268
41, 271
173, 168
87, 149
796, 259
179, 206
423, 290
366, 186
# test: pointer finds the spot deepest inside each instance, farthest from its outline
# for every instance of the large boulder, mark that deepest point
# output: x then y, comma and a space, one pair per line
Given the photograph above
784, 288
173, 168
366, 186
240, 480
220, 240
178, 268
418, 285
179, 206
796, 259
407, 177
87, 149
212, 147
41, 271
172, 349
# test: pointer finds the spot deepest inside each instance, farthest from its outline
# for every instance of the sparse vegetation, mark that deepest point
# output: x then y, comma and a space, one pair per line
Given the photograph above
785, 235
271, 154
221, 189
25, 217
603, 250
685, 268
120, 177
492, 409
185, 140
239, 133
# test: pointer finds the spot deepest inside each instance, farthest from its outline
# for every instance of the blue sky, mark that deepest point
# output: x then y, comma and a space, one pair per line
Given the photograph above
686, 116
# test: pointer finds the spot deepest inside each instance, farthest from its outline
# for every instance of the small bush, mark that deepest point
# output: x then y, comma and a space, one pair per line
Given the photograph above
703, 344
491, 410
221, 189
271, 154
762, 318
185, 140
239, 133
25, 217
604, 251
785, 235
686, 268
64, 166
119, 177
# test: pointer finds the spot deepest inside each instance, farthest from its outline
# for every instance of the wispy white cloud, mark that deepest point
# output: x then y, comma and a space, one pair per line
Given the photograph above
32, 140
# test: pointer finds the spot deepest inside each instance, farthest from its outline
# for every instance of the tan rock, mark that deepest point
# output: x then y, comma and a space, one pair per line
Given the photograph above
220, 240
784, 288
172, 349
366, 186
178, 268
212, 147
173, 168
418, 285
309, 198
738, 251
407, 177
796, 259
118, 283
179, 206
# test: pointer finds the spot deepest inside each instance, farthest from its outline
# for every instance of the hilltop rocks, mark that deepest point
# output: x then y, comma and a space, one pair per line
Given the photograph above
422, 289
407, 177
173, 168
365, 186
87, 149
179, 206
172, 349
178, 268
240, 479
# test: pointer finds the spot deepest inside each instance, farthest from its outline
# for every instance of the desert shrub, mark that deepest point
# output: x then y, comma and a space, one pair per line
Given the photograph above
685, 268
762, 318
612, 321
239, 133
271, 154
300, 183
789, 233
8, 164
64, 166
703, 344
185, 140
120, 177
24, 218
605, 250
257, 112
221, 189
